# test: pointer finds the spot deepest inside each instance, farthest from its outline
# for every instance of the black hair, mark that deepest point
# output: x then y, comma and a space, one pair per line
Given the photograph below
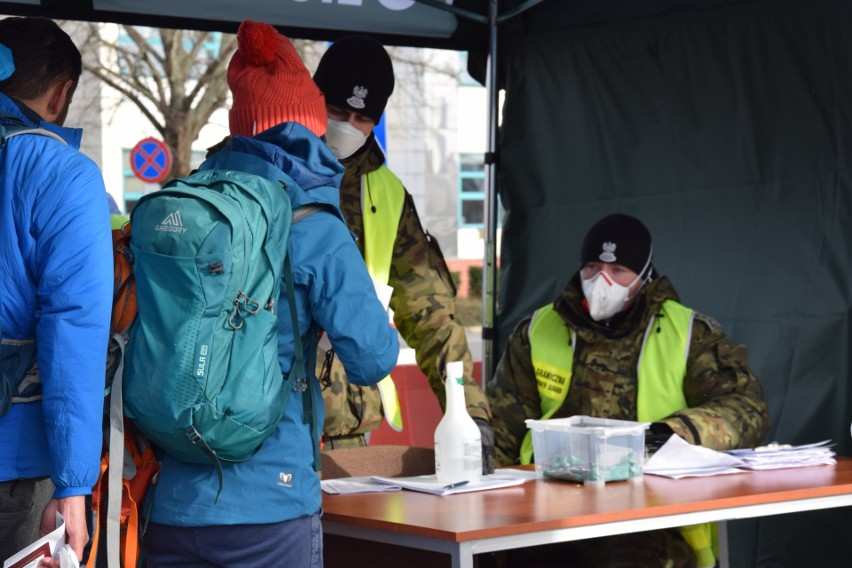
43, 54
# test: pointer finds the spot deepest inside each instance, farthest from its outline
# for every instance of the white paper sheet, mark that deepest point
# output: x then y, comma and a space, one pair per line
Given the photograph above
347, 485
678, 458
46, 546
430, 483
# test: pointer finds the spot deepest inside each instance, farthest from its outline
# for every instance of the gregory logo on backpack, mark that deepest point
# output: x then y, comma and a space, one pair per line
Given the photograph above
171, 224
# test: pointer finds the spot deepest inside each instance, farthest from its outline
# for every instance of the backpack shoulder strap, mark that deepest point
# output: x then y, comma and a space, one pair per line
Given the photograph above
308, 402
14, 127
306, 211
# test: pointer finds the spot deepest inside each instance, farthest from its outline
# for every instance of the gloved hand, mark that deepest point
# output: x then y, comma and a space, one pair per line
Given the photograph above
487, 435
656, 436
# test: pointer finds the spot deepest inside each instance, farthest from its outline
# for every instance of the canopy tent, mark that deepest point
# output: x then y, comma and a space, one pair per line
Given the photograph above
725, 125
446, 24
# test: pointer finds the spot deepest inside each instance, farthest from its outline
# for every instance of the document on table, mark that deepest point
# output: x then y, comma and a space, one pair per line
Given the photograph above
361, 484
678, 458
781, 456
430, 483
51, 545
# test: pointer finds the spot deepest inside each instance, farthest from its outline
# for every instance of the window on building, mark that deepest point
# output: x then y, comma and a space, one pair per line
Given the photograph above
471, 194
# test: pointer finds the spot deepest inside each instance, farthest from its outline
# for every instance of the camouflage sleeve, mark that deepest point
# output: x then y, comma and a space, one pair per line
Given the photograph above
726, 406
424, 309
513, 396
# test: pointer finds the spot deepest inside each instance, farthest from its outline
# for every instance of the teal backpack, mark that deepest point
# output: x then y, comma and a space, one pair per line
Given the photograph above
202, 378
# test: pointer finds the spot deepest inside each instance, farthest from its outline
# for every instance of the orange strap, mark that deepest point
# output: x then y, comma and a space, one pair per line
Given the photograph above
133, 493
130, 520
97, 491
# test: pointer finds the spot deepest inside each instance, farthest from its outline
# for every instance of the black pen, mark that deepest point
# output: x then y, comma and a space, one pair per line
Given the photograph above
454, 485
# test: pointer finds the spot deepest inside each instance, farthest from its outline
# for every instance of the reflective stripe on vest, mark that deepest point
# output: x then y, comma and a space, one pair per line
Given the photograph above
382, 197
660, 371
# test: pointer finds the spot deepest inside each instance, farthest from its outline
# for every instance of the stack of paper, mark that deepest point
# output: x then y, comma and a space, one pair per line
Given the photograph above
778, 456
677, 458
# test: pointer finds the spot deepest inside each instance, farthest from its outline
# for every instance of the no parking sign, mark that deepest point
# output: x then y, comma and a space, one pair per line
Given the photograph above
151, 160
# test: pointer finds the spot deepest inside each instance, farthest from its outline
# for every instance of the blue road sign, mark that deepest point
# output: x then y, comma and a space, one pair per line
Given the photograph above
151, 160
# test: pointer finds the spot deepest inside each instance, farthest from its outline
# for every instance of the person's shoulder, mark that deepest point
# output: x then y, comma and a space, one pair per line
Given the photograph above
710, 323
521, 329
315, 217
317, 228
52, 162
61, 155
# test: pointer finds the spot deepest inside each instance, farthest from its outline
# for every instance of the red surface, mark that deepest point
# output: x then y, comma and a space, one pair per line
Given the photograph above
420, 410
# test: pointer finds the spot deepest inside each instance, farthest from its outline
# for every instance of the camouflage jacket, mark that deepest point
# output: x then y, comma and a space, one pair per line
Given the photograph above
423, 305
726, 407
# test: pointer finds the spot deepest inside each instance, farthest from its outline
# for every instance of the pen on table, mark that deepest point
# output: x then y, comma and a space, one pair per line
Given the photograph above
454, 485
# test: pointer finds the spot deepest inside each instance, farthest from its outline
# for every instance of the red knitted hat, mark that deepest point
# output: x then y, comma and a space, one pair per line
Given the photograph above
270, 84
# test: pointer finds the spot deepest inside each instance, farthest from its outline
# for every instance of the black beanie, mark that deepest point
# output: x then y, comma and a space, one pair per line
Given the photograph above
356, 74
620, 239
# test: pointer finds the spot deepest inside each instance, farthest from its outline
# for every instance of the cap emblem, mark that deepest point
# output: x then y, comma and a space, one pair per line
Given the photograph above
608, 254
357, 99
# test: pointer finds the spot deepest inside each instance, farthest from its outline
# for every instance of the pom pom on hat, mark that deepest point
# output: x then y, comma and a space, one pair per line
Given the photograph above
258, 42
270, 84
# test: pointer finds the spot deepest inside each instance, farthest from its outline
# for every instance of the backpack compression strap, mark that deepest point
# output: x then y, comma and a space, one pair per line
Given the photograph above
16, 128
308, 402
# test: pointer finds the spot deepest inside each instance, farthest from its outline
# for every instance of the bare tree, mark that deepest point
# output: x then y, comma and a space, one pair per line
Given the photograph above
176, 78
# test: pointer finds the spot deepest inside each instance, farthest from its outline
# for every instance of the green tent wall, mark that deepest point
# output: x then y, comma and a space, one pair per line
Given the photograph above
728, 131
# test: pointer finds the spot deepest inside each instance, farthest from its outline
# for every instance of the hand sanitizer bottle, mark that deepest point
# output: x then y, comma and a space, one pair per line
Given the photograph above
458, 446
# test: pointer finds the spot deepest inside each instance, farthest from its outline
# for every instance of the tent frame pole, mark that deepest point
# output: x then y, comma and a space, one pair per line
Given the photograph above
489, 263
489, 269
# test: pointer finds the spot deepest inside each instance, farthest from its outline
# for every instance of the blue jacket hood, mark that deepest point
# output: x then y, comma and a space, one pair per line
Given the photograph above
300, 154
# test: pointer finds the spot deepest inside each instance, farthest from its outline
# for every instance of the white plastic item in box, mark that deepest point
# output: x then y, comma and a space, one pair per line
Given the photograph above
589, 450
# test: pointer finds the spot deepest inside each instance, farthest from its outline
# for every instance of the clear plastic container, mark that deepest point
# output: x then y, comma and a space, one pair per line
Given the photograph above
588, 450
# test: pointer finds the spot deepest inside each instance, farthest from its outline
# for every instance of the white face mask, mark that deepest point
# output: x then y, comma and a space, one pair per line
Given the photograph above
605, 296
343, 138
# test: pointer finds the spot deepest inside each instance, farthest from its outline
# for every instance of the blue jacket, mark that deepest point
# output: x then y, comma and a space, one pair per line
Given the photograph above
333, 289
56, 287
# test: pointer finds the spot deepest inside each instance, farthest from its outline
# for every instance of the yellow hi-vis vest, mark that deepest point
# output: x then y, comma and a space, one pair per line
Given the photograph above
382, 197
660, 372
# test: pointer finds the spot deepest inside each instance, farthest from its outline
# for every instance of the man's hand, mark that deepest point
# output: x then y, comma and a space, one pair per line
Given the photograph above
656, 436
73, 510
487, 435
